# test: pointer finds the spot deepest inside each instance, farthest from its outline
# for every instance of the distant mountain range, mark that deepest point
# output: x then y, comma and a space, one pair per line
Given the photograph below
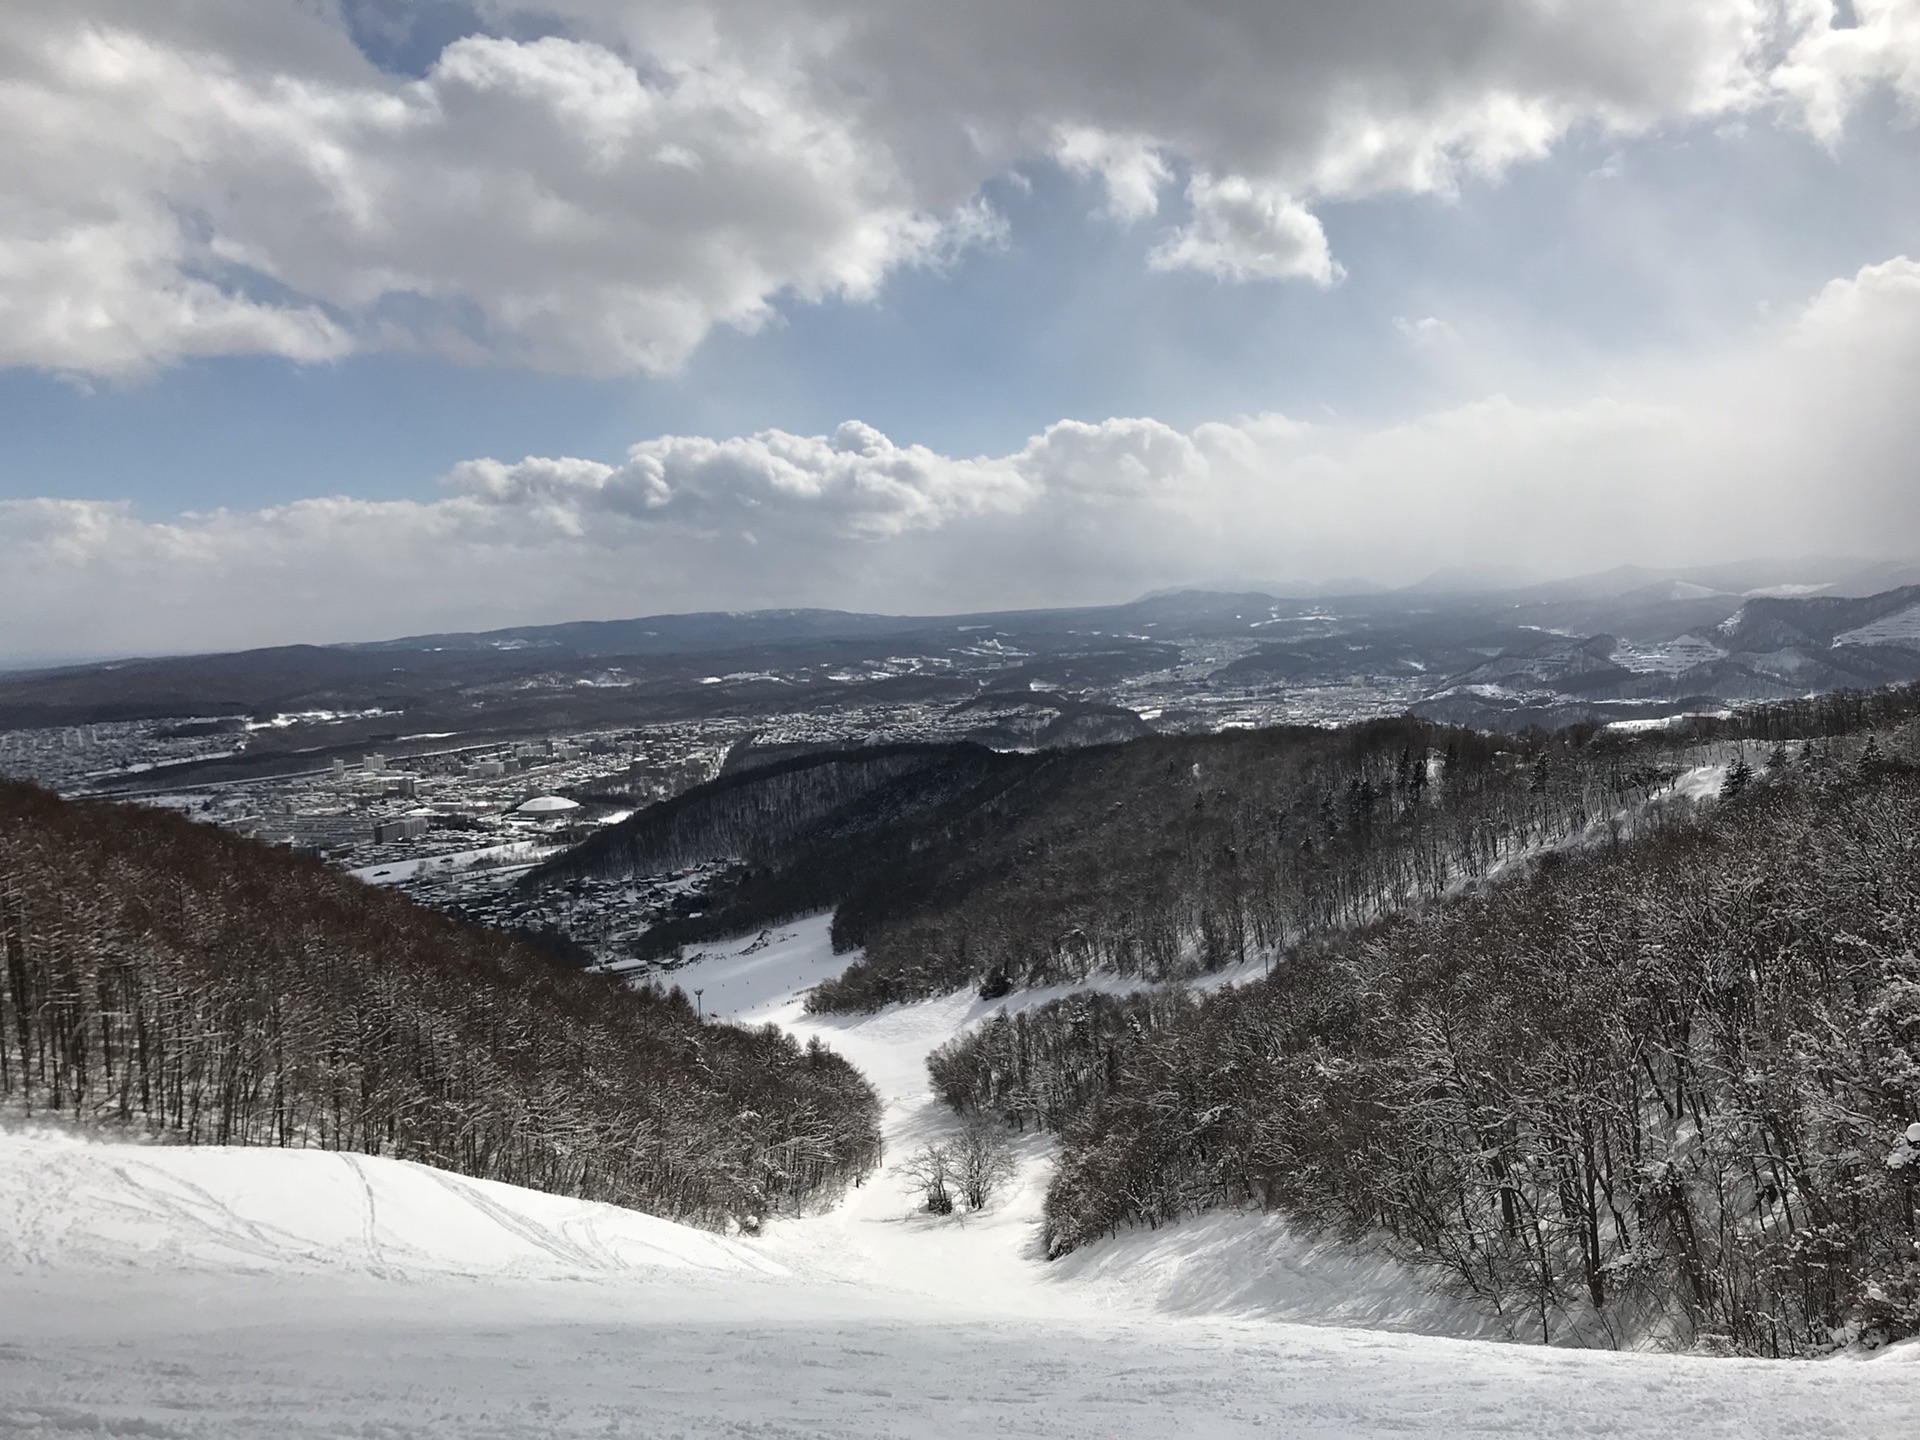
1769, 647
1625, 644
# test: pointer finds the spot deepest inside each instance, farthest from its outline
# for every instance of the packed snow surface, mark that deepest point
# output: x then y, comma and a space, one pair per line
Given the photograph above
166, 1291
69, 1204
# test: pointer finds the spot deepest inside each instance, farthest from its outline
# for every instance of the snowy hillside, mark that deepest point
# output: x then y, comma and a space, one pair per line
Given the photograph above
1219, 1265
70, 1204
244, 1293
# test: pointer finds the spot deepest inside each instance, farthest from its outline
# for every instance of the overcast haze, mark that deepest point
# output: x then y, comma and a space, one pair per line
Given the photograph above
324, 321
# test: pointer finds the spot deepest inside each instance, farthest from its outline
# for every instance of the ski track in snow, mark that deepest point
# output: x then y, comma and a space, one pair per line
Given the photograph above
166, 1291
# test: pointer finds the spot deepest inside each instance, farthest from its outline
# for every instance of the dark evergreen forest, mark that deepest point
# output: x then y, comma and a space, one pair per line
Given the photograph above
168, 975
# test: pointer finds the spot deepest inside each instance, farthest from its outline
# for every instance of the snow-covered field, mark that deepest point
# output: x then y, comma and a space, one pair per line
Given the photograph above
523, 854
160, 1291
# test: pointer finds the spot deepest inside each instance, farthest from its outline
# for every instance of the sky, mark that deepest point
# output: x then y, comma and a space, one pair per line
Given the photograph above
339, 319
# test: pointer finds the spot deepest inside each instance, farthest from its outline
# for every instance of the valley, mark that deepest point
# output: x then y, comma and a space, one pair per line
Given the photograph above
168, 1290
739, 972
1182, 720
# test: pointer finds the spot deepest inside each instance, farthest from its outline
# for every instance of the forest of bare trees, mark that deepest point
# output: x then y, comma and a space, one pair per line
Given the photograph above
953, 865
1647, 1090
1179, 856
1646, 1084
807, 832
167, 975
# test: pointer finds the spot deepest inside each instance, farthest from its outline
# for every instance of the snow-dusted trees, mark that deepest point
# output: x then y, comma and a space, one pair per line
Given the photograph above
1648, 1089
972, 1165
1175, 856
982, 1161
161, 973
806, 829
952, 865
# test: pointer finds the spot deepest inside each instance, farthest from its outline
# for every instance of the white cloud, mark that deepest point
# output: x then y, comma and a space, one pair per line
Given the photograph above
854, 484
1113, 461
1826, 70
190, 177
114, 296
546, 203
1242, 230
1130, 166
1798, 441
1427, 333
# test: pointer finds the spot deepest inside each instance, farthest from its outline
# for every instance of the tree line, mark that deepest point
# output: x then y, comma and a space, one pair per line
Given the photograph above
953, 865
803, 833
168, 975
1647, 1090
1177, 856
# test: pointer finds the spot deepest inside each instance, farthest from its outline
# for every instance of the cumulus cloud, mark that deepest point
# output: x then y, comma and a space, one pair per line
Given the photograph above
187, 177
1130, 166
549, 202
1827, 68
1800, 441
853, 484
1244, 231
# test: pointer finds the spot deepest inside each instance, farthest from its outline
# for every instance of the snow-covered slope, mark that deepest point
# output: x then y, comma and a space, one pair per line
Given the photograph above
1238, 1265
156, 1291
69, 1203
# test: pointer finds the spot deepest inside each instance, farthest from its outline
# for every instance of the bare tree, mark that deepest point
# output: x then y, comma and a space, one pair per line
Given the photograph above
983, 1161
931, 1169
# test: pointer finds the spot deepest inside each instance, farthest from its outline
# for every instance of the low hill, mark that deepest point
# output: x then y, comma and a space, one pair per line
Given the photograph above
170, 976
1162, 857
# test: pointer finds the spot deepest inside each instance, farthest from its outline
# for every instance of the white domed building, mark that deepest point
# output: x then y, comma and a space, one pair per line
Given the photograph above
547, 810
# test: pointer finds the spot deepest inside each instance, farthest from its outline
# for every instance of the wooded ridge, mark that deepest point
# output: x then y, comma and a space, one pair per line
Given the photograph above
1647, 1090
953, 865
169, 975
